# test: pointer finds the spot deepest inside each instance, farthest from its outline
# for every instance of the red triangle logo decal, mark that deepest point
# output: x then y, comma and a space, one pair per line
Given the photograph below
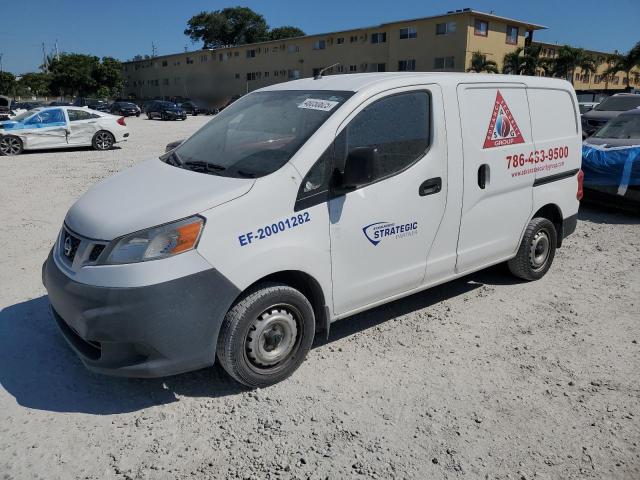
503, 129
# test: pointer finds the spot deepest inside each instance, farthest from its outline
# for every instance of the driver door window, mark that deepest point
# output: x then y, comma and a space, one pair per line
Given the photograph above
398, 126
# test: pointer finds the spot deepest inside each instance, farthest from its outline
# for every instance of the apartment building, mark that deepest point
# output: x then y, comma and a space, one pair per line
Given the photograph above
438, 43
587, 81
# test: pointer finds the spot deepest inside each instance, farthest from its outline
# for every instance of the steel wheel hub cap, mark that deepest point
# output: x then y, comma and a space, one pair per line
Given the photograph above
539, 251
271, 337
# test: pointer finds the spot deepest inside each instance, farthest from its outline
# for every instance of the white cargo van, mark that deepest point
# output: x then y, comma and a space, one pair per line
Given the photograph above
306, 202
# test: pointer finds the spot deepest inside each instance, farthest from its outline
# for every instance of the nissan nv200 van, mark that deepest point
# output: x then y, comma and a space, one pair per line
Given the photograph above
306, 202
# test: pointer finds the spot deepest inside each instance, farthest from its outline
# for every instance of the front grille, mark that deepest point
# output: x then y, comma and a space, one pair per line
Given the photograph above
69, 247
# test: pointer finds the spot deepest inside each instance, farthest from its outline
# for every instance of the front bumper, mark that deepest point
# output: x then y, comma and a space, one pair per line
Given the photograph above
152, 331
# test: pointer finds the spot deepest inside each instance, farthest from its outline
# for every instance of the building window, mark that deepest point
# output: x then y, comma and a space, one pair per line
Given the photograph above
251, 53
293, 49
340, 68
237, 76
377, 67
275, 73
444, 63
353, 68
353, 38
407, 65
320, 45
165, 81
408, 32
481, 28
164, 63
189, 60
293, 74
444, 28
235, 54
266, 74
340, 40
379, 37
512, 35
204, 58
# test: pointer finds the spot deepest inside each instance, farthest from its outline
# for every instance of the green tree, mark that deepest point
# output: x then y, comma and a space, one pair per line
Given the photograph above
229, 26
570, 59
108, 76
514, 62
35, 83
7, 83
624, 63
285, 32
479, 64
84, 75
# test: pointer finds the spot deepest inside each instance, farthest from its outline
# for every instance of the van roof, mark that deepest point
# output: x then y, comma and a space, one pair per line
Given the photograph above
360, 81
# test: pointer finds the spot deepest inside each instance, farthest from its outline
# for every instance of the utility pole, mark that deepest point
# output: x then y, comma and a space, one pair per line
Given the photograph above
44, 58
1, 62
57, 53
154, 50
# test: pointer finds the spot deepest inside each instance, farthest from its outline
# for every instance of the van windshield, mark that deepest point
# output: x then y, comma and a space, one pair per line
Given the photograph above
257, 134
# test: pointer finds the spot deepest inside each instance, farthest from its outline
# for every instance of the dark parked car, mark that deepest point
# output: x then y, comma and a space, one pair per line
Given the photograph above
60, 104
606, 110
165, 111
191, 108
612, 172
126, 109
5, 107
101, 107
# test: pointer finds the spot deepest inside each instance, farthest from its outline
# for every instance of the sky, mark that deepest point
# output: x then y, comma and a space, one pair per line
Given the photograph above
124, 28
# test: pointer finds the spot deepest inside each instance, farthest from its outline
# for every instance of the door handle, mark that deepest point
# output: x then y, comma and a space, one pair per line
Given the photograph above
483, 176
431, 186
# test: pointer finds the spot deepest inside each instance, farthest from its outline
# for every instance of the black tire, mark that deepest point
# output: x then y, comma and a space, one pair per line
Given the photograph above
263, 318
10, 145
537, 250
103, 140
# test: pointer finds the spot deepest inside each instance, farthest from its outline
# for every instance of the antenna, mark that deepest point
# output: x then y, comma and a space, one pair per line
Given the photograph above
318, 76
1, 62
57, 52
45, 65
154, 50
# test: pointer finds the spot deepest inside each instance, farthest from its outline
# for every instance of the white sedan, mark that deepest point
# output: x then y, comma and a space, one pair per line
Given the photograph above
61, 127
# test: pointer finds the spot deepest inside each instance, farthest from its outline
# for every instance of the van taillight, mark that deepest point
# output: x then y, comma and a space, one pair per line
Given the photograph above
580, 192
121, 122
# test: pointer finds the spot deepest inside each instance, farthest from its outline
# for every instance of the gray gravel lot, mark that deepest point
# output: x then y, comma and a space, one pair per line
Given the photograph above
484, 377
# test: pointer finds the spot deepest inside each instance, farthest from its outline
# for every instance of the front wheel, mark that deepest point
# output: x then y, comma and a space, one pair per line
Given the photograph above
266, 335
537, 250
103, 140
10, 145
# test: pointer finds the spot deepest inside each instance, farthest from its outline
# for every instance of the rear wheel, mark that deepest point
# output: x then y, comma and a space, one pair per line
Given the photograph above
266, 335
537, 250
10, 145
103, 140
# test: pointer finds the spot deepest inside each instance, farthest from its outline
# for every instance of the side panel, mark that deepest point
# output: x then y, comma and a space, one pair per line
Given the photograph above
241, 242
496, 127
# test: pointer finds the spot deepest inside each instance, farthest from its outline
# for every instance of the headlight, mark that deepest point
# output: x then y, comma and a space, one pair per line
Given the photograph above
156, 243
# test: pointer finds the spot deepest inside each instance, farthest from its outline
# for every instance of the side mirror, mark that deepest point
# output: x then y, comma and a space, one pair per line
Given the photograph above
360, 168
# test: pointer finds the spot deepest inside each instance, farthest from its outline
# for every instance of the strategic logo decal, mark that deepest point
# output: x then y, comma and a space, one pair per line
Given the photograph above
503, 129
378, 231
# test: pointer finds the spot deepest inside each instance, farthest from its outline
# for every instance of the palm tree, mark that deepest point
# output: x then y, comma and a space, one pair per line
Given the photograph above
514, 62
624, 63
570, 59
479, 64
532, 61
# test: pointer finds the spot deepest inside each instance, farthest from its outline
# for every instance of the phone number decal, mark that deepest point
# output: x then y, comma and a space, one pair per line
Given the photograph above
275, 228
537, 156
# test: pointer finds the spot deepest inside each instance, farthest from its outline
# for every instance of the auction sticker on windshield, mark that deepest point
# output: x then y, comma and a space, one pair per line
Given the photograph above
318, 104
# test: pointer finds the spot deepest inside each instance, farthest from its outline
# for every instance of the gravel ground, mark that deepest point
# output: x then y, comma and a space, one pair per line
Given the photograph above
484, 377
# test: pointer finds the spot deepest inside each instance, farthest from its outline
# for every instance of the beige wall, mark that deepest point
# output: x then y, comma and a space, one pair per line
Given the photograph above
273, 62
595, 81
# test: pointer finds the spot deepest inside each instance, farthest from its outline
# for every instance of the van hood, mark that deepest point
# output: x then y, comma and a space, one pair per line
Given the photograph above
149, 194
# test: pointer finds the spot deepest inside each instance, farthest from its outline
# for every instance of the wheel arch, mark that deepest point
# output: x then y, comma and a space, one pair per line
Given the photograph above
309, 287
552, 212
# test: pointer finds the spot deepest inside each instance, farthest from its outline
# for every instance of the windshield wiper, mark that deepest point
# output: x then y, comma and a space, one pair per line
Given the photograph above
204, 167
